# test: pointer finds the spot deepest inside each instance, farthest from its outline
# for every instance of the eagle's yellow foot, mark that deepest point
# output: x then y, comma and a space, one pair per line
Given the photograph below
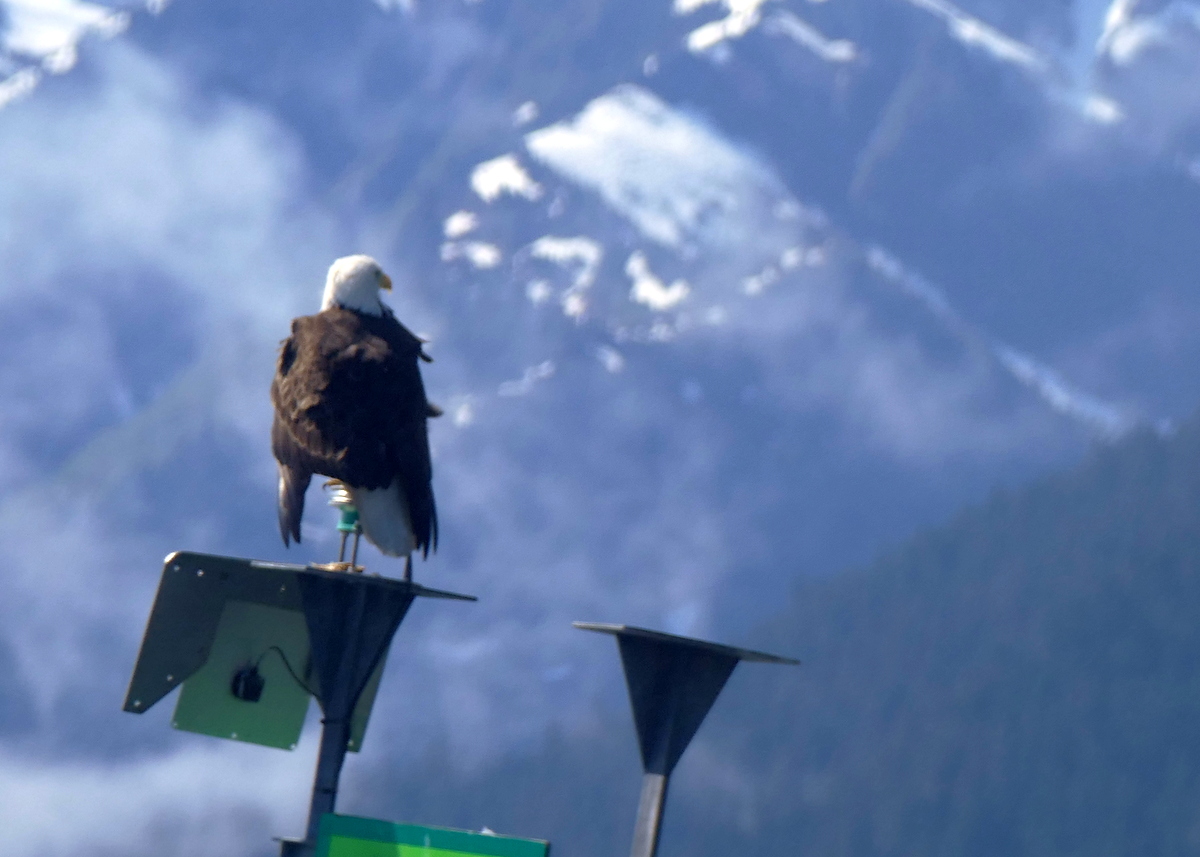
338, 566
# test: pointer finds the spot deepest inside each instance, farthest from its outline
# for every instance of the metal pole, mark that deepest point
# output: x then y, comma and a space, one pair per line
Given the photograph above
335, 736
649, 815
351, 620
673, 682
335, 731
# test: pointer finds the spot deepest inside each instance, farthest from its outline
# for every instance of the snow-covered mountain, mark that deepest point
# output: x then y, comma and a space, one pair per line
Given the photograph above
720, 294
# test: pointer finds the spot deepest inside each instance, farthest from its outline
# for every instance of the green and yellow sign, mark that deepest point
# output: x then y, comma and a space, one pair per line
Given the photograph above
348, 836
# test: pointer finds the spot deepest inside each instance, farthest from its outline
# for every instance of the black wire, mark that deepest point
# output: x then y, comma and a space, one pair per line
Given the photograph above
287, 666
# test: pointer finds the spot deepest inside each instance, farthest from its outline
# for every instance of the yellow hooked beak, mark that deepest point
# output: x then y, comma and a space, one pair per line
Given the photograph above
385, 282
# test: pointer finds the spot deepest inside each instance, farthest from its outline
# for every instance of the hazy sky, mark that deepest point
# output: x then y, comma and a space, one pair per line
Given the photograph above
719, 294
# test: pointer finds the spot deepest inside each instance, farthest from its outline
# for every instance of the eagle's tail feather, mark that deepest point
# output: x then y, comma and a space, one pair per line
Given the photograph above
292, 485
432, 541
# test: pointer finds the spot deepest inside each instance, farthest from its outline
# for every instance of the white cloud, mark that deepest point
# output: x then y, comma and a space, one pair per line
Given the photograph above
215, 795
143, 187
130, 186
119, 194
574, 529
49, 31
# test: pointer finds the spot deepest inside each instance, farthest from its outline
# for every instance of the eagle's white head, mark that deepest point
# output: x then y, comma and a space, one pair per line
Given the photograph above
353, 283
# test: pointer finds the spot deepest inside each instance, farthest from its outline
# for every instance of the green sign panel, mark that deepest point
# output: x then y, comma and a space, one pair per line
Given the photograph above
348, 836
271, 639
275, 641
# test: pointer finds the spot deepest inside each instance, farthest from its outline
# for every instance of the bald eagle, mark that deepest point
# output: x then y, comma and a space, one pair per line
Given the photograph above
350, 405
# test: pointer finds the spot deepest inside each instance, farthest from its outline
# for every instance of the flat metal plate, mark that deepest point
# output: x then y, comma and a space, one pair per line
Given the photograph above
362, 711
671, 689
187, 610
691, 642
213, 614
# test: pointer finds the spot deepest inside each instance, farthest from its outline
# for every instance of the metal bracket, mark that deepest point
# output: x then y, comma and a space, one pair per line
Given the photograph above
673, 682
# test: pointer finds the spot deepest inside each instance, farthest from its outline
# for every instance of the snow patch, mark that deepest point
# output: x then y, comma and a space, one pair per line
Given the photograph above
479, 254
611, 359
459, 224
492, 179
525, 114
1062, 397
463, 413
755, 284
669, 174
18, 85
538, 291
808, 36
532, 376
977, 34
1126, 36
650, 290
742, 17
579, 253
1058, 87
1106, 419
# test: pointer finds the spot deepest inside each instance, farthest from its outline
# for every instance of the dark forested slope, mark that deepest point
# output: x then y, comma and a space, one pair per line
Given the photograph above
1023, 680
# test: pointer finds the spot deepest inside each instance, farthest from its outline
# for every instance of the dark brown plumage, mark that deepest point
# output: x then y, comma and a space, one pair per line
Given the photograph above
350, 404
